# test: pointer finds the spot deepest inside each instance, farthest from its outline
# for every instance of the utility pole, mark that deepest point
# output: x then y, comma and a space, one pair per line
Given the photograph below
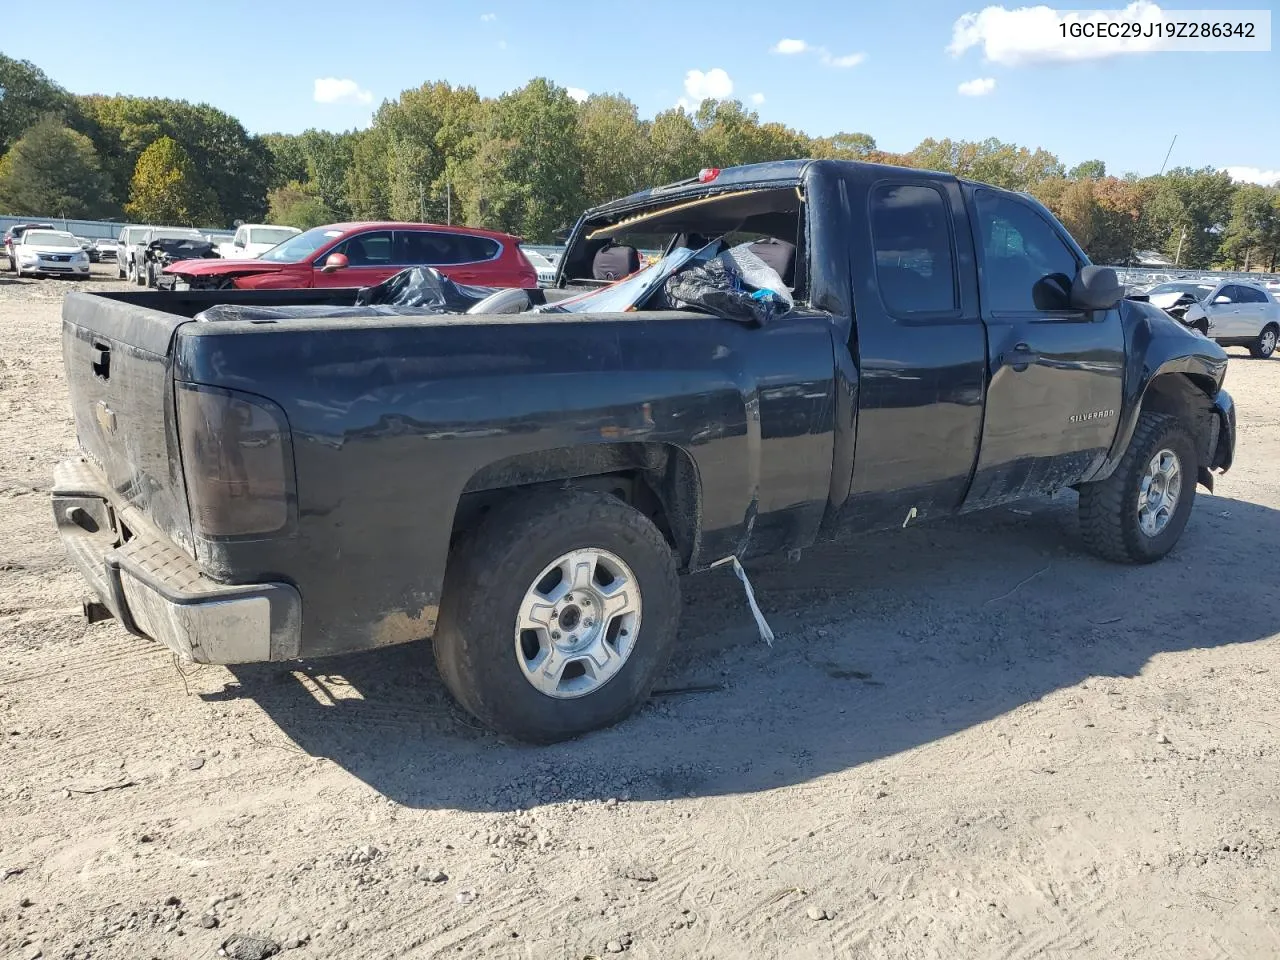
1177, 257
448, 203
421, 204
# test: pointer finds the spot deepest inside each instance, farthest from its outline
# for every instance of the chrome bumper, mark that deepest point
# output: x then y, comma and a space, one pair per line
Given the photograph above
157, 591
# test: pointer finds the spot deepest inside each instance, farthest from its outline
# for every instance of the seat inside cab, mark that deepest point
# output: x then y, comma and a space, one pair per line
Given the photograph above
771, 221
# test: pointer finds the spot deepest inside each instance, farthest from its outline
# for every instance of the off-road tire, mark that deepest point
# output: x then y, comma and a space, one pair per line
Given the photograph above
1109, 508
1264, 346
489, 574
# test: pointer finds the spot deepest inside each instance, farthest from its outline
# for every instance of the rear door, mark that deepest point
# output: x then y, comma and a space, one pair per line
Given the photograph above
461, 257
370, 257
1055, 374
1255, 311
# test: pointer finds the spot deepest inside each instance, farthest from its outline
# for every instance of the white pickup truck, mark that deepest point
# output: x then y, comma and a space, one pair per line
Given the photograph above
254, 239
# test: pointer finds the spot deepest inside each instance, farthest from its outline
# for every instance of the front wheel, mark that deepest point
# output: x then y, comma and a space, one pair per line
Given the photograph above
1138, 513
1266, 342
558, 615
140, 274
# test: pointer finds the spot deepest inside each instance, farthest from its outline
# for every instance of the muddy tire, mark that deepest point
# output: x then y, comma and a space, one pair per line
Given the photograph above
559, 613
1265, 345
1138, 513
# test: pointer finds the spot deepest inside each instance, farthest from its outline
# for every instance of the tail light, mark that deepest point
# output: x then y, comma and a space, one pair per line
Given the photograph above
237, 461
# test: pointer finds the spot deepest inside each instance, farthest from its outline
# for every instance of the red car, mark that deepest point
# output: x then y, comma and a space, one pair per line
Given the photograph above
362, 254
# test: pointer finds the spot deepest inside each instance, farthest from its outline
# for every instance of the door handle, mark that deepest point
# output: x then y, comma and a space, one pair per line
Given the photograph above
1021, 357
101, 360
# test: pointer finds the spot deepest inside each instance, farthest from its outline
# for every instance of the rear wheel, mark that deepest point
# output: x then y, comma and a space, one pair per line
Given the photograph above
1138, 513
558, 615
151, 274
139, 274
1265, 345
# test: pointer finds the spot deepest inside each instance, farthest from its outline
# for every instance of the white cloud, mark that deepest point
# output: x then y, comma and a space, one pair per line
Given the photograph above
1264, 178
335, 90
577, 93
712, 85
488, 17
851, 60
757, 98
976, 88
791, 47
1035, 34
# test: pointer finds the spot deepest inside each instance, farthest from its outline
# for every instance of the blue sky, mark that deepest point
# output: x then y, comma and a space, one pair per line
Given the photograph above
880, 68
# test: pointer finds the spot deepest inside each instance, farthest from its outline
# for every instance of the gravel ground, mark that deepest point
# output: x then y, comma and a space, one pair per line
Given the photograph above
969, 740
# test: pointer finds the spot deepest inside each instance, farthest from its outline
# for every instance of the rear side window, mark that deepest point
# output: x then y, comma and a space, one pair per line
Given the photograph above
429, 248
1252, 295
370, 249
1027, 268
911, 233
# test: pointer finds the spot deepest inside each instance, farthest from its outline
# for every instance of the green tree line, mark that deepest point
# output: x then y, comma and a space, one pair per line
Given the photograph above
531, 160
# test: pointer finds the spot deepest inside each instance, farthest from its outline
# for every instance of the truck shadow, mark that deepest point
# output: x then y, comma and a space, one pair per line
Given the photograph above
881, 647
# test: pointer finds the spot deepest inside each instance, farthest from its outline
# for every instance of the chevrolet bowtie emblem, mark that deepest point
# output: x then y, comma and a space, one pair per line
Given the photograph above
106, 416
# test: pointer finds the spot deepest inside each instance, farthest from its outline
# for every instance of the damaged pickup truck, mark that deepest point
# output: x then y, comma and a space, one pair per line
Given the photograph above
826, 348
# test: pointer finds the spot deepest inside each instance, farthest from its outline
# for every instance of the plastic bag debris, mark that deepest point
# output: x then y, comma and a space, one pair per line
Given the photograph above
766, 634
415, 292
423, 287
735, 285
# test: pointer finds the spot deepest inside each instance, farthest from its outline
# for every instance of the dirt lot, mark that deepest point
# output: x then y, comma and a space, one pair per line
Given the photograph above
928, 763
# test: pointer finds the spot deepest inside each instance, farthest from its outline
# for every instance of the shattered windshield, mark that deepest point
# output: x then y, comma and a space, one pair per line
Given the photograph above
301, 246
630, 292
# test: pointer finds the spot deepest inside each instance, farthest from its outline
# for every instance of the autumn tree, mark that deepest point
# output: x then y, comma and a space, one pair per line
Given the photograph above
613, 142
1252, 235
234, 166
26, 95
54, 171
296, 205
1187, 213
1088, 170
166, 188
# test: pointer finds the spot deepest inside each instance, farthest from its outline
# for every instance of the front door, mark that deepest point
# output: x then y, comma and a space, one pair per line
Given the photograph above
1055, 375
920, 348
370, 261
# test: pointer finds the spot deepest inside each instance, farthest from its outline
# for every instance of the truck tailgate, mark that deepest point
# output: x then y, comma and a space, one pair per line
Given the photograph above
118, 368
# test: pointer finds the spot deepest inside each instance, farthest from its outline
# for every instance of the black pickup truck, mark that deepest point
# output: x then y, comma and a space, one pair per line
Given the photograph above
525, 488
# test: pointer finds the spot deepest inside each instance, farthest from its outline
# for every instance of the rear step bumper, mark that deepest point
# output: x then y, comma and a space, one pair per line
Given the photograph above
157, 591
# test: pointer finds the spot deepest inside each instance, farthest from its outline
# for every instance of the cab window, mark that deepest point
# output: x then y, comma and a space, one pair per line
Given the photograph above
1026, 266
911, 232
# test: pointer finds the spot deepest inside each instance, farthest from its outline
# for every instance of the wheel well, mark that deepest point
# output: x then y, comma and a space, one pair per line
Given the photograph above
658, 479
1187, 397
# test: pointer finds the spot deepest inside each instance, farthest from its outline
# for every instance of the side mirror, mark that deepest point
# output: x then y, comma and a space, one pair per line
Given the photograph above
335, 261
1096, 288
1221, 298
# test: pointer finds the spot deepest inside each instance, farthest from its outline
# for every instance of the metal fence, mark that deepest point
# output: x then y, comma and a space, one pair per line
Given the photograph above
1141, 277
94, 229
